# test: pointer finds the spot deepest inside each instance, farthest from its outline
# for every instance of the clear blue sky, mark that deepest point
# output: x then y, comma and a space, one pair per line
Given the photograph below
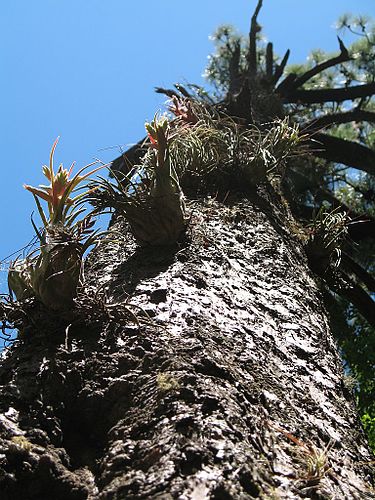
85, 70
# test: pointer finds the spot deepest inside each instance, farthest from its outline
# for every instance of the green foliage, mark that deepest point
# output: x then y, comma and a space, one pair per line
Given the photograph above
226, 41
362, 68
356, 190
150, 196
369, 426
62, 209
214, 146
202, 149
356, 340
165, 180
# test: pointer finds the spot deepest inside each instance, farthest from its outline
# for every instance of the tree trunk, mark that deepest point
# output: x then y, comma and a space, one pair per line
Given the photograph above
232, 388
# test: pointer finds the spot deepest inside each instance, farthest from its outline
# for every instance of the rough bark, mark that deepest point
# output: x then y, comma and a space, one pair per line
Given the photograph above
222, 393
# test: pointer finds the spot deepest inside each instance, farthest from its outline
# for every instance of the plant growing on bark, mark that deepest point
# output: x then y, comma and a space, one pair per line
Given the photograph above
327, 231
53, 273
246, 338
150, 196
313, 462
166, 382
202, 149
216, 149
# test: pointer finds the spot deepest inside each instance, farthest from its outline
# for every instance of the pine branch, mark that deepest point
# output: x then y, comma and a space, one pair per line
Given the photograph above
350, 265
361, 229
348, 153
360, 299
168, 92
322, 194
327, 95
343, 57
269, 60
131, 157
357, 115
280, 69
182, 90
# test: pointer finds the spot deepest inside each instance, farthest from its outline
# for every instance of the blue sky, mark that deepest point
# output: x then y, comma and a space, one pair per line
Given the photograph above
86, 69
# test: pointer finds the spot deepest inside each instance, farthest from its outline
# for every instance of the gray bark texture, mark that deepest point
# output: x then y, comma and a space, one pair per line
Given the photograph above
231, 388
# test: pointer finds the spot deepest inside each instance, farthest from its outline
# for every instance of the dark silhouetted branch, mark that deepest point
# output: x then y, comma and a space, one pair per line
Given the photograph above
168, 92
254, 29
286, 83
269, 61
357, 115
350, 265
362, 229
327, 95
280, 68
131, 157
343, 57
360, 299
342, 151
234, 69
321, 193
182, 90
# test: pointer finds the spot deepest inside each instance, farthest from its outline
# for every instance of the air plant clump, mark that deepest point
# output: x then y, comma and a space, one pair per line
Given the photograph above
282, 141
313, 462
19, 279
205, 140
150, 197
53, 272
183, 109
326, 234
160, 218
210, 144
167, 383
202, 148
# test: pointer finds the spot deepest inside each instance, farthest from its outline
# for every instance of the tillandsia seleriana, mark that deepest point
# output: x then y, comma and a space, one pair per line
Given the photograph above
53, 272
161, 219
213, 148
201, 149
326, 233
150, 196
